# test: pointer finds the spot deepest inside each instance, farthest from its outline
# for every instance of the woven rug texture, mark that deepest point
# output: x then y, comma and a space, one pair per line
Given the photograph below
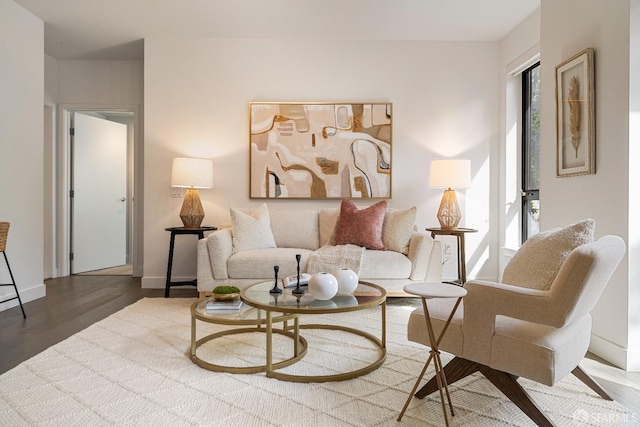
133, 369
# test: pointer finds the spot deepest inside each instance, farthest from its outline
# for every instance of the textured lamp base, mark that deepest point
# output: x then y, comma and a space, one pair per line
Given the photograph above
449, 212
192, 212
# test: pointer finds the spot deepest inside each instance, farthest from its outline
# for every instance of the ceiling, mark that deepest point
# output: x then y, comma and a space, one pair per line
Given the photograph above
114, 29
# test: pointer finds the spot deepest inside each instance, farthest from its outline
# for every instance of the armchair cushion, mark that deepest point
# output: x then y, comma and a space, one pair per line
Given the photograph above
538, 261
538, 352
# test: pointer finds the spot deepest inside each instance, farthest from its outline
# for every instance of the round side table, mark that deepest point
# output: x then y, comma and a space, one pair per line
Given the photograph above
428, 291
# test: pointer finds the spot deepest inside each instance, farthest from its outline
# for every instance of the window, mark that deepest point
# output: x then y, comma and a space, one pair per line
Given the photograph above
530, 151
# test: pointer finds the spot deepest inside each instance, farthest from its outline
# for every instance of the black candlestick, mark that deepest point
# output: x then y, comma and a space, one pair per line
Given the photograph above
275, 289
297, 290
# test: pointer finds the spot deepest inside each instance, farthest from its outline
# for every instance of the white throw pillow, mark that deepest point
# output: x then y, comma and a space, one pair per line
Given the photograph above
398, 228
251, 231
536, 264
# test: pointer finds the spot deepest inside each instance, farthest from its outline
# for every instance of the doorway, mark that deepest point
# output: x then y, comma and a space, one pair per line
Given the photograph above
86, 168
98, 192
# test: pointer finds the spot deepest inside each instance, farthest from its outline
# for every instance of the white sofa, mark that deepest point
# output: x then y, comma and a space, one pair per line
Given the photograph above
303, 232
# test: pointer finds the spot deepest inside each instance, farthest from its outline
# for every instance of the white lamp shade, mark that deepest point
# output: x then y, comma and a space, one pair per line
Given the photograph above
190, 172
450, 173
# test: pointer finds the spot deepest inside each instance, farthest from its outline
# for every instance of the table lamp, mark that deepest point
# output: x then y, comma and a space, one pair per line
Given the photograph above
450, 174
192, 174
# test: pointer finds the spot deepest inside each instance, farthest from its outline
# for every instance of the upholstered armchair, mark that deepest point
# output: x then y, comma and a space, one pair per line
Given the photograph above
531, 328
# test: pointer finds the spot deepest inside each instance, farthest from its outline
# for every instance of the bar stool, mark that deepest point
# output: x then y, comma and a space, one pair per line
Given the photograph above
428, 291
4, 231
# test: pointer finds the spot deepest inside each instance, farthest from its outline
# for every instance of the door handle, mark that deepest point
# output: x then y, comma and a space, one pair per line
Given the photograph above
124, 199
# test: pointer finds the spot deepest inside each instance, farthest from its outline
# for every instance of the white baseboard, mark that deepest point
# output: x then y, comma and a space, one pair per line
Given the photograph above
623, 358
159, 282
26, 295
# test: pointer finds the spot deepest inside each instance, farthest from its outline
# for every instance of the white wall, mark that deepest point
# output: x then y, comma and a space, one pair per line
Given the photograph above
519, 50
568, 27
445, 104
21, 158
100, 82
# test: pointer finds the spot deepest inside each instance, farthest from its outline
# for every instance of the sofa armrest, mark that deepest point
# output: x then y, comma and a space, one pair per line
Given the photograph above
204, 272
213, 253
220, 246
426, 258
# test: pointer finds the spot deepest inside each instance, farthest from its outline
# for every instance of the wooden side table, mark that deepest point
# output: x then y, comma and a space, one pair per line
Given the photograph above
179, 231
462, 261
427, 291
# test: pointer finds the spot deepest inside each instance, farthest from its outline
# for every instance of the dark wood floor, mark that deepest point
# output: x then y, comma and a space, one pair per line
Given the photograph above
73, 303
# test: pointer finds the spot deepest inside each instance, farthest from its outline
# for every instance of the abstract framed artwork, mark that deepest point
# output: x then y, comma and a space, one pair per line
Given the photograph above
575, 116
317, 150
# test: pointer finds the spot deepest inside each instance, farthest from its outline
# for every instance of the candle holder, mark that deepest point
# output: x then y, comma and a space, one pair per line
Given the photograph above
275, 289
298, 290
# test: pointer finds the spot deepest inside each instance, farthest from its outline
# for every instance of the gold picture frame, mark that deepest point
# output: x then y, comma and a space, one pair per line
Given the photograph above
320, 150
575, 116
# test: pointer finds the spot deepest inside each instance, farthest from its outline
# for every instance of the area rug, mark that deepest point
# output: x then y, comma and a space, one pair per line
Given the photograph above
133, 369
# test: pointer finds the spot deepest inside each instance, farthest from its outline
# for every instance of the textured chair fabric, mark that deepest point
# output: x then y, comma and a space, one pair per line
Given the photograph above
515, 331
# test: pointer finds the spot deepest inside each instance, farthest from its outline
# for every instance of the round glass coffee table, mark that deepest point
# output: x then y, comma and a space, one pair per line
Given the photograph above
367, 295
254, 320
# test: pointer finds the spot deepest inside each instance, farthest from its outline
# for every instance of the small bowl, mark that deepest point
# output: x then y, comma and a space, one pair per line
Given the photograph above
226, 297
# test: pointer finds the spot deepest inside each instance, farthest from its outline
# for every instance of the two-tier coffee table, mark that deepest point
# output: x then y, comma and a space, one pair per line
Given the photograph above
253, 320
367, 295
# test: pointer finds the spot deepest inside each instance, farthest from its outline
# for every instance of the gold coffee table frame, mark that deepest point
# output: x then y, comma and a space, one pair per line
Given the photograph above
245, 316
366, 296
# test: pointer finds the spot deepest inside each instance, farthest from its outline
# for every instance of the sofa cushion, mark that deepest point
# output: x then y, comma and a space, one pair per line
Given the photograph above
295, 228
251, 231
362, 227
384, 265
536, 264
258, 263
397, 229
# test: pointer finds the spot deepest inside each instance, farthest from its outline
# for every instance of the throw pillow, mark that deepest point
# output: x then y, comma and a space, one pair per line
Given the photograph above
328, 224
398, 228
251, 231
536, 264
362, 227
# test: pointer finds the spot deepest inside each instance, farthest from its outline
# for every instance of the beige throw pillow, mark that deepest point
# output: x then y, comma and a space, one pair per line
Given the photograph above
536, 264
328, 224
251, 231
398, 228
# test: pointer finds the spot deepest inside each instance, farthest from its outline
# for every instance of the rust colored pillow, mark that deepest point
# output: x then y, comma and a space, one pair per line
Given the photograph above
362, 227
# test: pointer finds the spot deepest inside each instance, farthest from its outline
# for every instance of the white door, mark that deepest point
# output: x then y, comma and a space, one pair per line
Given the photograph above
99, 193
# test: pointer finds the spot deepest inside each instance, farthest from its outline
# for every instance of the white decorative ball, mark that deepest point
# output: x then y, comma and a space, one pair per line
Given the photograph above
323, 286
347, 281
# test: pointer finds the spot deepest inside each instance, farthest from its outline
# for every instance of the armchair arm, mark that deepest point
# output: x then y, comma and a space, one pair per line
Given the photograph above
486, 300
426, 258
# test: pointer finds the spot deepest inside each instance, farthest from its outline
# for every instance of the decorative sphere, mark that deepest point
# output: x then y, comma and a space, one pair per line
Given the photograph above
323, 286
347, 281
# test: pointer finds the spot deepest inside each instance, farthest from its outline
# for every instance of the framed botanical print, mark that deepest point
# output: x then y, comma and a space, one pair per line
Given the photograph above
575, 115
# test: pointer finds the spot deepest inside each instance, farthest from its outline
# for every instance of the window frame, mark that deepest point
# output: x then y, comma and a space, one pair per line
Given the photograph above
527, 194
